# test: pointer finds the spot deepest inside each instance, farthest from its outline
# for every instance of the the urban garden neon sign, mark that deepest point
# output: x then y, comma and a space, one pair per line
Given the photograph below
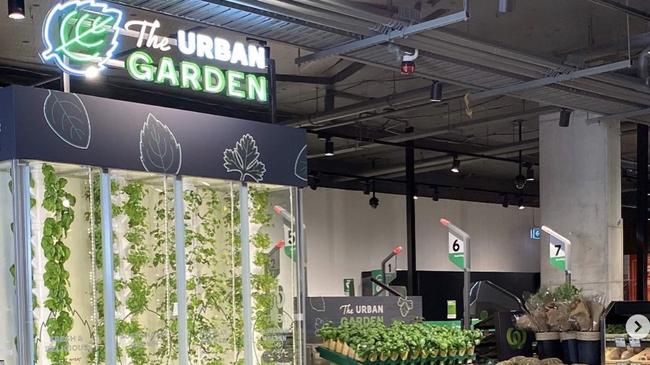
81, 37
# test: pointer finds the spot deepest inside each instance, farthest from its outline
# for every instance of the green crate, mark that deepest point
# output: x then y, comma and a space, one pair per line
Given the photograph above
340, 359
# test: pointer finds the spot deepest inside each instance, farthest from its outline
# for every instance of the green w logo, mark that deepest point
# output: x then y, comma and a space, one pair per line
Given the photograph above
516, 338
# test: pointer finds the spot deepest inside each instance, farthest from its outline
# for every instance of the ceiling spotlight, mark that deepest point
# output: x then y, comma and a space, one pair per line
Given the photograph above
313, 180
520, 181
92, 72
329, 147
415, 192
435, 195
455, 166
16, 9
505, 201
521, 203
565, 117
373, 201
436, 91
530, 173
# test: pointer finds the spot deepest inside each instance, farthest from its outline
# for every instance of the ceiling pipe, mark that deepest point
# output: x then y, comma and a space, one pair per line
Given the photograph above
429, 164
367, 106
441, 163
472, 123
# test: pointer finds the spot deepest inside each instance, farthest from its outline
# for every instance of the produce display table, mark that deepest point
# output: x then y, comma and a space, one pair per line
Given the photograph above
340, 359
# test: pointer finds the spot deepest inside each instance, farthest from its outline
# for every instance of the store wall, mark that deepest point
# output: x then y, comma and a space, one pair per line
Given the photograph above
346, 236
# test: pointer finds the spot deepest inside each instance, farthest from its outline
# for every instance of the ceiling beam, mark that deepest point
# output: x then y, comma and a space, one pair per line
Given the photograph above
624, 8
384, 38
510, 89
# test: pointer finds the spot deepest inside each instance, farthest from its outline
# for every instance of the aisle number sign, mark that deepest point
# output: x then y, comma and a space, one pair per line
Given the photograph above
559, 249
82, 37
557, 253
456, 251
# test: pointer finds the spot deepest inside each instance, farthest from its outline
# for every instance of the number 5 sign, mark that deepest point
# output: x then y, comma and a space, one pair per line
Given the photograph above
559, 249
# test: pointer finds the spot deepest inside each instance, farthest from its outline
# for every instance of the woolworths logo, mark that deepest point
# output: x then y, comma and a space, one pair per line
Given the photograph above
82, 38
516, 338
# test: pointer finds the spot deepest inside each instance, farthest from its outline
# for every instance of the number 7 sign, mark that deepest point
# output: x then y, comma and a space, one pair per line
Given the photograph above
558, 249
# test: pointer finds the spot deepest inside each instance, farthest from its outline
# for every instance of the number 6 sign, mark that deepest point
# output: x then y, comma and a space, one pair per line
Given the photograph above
456, 251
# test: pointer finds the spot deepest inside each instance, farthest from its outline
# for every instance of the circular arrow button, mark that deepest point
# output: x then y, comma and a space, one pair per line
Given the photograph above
638, 326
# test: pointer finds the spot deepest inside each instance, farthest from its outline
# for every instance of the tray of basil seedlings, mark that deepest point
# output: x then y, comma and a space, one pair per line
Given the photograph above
396, 344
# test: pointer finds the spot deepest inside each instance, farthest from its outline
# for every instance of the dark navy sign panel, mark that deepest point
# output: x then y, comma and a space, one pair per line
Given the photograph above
7, 141
72, 128
337, 310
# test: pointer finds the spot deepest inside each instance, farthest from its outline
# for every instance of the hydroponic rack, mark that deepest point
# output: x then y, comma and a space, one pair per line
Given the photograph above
141, 234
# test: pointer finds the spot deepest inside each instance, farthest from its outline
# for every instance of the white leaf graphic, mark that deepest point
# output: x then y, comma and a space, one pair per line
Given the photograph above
300, 166
244, 159
159, 151
67, 116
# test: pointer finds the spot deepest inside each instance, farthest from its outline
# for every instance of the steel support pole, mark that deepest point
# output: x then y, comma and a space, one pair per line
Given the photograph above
22, 245
467, 283
302, 279
641, 212
181, 287
249, 350
273, 97
110, 344
410, 219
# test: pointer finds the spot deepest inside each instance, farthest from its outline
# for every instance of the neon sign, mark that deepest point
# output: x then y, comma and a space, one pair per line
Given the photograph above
81, 37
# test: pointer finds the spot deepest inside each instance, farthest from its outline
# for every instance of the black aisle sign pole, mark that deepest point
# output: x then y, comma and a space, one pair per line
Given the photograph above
641, 212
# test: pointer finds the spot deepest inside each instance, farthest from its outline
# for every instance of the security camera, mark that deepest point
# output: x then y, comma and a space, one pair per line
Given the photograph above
374, 202
408, 63
520, 181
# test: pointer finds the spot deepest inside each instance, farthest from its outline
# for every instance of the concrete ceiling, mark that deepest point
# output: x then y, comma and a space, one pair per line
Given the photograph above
490, 50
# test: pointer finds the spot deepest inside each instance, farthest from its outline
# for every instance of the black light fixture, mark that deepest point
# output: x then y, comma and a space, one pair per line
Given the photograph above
530, 173
16, 9
521, 203
520, 179
435, 195
366, 189
455, 166
565, 117
436, 91
505, 201
506, 6
373, 201
415, 192
313, 180
329, 147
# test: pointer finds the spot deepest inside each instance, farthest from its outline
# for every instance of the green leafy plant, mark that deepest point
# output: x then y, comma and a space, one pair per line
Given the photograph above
399, 341
138, 287
93, 218
164, 260
56, 278
264, 282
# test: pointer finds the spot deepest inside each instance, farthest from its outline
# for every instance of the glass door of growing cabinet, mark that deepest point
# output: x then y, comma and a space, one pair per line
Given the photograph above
66, 265
275, 289
179, 287
8, 320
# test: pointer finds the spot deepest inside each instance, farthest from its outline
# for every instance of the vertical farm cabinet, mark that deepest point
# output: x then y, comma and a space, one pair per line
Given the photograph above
135, 234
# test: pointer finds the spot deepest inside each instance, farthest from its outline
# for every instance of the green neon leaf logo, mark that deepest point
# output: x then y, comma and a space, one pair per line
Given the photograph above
81, 36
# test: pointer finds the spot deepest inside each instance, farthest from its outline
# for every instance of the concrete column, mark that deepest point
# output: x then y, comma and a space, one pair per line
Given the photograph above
580, 198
